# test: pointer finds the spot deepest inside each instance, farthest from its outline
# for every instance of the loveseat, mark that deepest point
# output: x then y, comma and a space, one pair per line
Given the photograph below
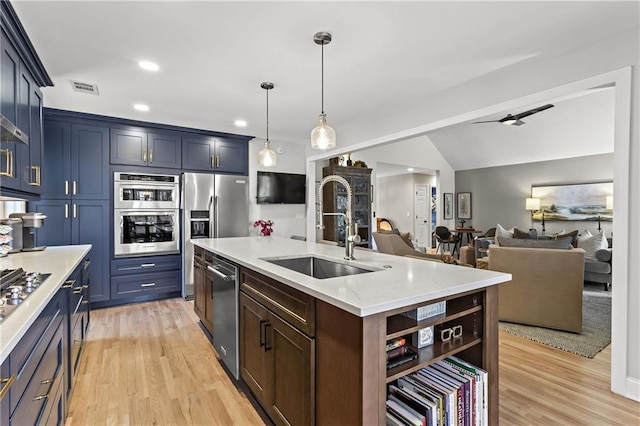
546, 288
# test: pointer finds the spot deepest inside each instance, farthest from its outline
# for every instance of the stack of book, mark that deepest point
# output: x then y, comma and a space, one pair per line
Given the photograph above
445, 393
399, 353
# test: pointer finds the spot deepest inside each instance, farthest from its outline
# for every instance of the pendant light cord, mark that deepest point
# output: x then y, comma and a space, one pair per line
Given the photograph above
322, 75
267, 115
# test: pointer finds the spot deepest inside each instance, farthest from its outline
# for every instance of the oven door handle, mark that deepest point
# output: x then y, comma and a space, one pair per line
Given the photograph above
146, 212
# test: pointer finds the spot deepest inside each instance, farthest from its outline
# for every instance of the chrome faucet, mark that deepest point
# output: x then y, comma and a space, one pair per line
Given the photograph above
351, 229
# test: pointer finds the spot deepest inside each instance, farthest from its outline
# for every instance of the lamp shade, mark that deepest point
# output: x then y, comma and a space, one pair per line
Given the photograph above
609, 202
323, 136
267, 157
532, 204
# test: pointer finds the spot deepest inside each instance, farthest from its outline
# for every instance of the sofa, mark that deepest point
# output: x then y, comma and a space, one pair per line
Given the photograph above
546, 286
598, 269
392, 243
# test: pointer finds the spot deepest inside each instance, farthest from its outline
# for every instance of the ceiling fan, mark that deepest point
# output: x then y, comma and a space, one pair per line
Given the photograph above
515, 120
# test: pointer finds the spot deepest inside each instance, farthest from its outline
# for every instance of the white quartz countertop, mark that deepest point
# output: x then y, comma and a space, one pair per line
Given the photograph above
60, 262
397, 282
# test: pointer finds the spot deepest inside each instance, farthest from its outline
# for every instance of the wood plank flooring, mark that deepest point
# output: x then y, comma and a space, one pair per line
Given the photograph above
150, 364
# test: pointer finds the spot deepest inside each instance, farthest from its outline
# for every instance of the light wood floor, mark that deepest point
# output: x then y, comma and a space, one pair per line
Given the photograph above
151, 364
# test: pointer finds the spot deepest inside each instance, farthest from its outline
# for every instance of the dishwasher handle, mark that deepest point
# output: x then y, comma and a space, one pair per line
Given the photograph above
220, 274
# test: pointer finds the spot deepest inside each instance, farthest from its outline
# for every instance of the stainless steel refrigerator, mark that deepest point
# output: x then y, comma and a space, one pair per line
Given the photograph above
214, 206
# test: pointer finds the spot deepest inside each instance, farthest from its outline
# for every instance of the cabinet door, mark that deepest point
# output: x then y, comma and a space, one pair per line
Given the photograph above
128, 147
198, 290
90, 225
231, 156
165, 150
208, 302
32, 175
9, 81
253, 360
57, 228
9, 173
290, 356
56, 171
198, 153
89, 162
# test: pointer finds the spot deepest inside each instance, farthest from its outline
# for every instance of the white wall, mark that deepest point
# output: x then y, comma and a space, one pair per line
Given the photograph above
494, 92
288, 219
498, 193
420, 153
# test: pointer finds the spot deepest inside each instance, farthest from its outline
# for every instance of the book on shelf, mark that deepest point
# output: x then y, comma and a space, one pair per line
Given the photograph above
395, 362
482, 385
450, 392
396, 343
464, 395
397, 352
411, 384
427, 311
405, 413
418, 402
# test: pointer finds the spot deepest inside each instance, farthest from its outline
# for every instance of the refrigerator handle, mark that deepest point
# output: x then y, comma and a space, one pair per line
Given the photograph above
210, 202
215, 216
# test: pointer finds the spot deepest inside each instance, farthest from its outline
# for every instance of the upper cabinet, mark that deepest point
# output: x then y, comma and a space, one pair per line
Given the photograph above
216, 154
21, 102
140, 148
77, 161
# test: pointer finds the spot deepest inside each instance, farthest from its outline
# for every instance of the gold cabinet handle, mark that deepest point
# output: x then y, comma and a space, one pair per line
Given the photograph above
212, 162
77, 291
66, 211
8, 169
217, 161
151, 156
7, 384
144, 155
50, 382
75, 187
66, 187
75, 211
84, 302
36, 181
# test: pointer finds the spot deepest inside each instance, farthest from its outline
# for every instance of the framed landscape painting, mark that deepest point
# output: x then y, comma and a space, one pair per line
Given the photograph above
447, 205
583, 202
464, 205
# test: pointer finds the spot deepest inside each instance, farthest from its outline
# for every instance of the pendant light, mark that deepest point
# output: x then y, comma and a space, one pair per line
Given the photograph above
323, 136
267, 156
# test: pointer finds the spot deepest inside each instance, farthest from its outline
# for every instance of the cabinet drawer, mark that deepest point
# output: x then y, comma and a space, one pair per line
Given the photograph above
296, 307
29, 351
134, 285
135, 265
43, 384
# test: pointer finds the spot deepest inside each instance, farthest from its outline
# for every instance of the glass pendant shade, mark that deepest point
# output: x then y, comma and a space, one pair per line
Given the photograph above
323, 136
267, 156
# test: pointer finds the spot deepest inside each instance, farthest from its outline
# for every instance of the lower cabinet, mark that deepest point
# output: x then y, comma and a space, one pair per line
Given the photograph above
145, 276
202, 291
277, 359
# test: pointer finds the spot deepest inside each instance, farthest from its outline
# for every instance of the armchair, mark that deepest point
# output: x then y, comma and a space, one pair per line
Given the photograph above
394, 244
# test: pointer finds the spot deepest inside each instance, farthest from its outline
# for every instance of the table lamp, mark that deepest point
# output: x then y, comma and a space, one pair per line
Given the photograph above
533, 204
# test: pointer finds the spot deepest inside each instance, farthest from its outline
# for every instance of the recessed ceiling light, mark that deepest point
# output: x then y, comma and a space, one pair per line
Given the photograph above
141, 107
240, 123
410, 169
149, 66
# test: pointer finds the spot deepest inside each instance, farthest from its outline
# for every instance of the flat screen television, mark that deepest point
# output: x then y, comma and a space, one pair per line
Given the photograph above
281, 188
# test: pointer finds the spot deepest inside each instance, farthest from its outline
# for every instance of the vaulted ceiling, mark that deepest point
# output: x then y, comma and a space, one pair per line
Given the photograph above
385, 57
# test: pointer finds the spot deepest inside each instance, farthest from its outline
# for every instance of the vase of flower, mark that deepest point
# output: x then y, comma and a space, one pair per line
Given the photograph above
265, 227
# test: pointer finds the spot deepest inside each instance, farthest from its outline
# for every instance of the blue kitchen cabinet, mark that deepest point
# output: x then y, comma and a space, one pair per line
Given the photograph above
215, 154
140, 148
79, 222
76, 161
20, 102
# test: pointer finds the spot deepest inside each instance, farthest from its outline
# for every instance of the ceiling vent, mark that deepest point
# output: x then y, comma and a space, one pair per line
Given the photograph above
91, 89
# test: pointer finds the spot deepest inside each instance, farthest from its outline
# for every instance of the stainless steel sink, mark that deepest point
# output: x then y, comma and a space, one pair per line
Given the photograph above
317, 267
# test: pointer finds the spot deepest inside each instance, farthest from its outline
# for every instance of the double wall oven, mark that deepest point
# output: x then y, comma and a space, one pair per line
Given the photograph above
146, 214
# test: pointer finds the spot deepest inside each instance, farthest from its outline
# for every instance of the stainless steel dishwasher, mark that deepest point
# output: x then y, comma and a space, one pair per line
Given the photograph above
225, 278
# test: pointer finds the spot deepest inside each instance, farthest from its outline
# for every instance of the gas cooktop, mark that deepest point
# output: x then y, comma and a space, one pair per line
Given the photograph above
15, 286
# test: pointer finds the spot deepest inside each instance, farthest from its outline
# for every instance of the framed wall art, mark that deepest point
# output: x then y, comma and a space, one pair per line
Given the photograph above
581, 202
463, 205
447, 205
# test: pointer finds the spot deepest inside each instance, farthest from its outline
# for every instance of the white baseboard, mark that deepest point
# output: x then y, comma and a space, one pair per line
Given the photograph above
633, 388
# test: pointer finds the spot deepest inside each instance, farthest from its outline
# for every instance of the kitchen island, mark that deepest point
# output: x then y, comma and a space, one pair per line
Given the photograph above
323, 340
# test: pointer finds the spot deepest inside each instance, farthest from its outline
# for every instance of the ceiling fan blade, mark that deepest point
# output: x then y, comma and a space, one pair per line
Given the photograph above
532, 111
490, 121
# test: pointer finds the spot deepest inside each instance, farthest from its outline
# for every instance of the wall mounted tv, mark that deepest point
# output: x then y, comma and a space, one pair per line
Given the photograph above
281, 188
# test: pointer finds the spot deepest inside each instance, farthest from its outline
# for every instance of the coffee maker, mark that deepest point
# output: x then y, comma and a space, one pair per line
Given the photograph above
15, 233
30, 222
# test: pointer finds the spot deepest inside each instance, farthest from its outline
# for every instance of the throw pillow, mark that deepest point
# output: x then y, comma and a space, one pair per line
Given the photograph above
591, 244
531, 235
572, 234
504, 233
563, 243
604, 255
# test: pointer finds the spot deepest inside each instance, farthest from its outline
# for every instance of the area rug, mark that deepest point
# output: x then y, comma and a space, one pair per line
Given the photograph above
596, 328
